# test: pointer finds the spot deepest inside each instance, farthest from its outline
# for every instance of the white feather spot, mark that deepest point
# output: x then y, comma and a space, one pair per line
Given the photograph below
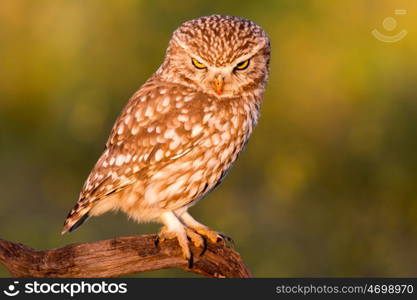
188, 98
196, 130
235, 121
170, 133
215, 139
174, 144
212, 163
120, 129
183, 118
120, 160
225, 135
149, 111
111, 162
197, 163
206, 118
165, 102
123, 179
138, 115
135, 130
206, 143
159, 154
160, 139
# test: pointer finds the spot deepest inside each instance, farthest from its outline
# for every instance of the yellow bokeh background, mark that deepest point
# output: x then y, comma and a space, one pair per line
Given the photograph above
327, 184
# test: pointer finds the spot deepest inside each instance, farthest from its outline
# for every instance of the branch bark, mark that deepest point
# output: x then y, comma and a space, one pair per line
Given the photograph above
117, 257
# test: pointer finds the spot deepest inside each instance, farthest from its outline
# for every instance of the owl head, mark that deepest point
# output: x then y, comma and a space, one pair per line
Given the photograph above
219, 55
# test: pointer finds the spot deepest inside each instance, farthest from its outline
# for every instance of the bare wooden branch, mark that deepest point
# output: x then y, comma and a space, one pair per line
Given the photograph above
117, 257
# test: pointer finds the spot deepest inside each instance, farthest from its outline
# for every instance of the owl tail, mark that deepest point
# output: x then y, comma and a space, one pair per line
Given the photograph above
75, 219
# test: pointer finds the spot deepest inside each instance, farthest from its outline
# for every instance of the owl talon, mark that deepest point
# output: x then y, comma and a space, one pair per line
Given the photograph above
156, 241
227, 240
204, 247
190, 261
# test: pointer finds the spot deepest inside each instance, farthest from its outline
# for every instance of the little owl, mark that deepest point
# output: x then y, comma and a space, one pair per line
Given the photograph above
182, 130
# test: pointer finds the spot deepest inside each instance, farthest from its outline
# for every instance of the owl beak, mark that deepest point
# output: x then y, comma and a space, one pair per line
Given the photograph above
218, 83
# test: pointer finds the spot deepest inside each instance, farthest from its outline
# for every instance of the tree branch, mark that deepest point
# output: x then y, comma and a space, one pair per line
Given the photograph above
117, 257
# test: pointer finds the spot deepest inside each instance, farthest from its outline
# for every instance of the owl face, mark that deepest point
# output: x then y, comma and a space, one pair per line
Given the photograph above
219, 55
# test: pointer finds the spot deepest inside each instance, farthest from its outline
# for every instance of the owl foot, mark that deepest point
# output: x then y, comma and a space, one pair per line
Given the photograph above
213, 236
174, 228
181, 236
195, 238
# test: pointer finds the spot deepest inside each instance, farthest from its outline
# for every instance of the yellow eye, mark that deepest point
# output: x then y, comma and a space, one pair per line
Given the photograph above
198, 64
242, 65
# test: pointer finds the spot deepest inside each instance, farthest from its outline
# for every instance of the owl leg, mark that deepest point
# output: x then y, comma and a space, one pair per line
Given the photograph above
203, 230
173, 228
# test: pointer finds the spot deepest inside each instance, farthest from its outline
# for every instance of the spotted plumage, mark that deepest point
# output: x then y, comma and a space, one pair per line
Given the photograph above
181, 131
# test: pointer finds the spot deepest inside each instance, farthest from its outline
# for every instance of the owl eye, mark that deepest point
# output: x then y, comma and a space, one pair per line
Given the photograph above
198, 64
242, 65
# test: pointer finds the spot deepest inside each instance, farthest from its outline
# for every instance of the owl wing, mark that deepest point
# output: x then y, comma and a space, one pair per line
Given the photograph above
158, 125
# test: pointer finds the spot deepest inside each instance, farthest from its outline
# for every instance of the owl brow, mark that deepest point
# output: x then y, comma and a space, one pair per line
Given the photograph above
242, 59
249, 55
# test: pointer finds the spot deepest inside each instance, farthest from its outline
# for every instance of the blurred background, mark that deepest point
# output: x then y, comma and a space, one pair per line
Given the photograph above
327, 185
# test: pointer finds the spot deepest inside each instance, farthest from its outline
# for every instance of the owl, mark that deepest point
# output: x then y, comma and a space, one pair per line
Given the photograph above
180, 133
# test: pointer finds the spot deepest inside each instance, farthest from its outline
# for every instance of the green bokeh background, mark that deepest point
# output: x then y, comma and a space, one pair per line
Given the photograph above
327, 185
